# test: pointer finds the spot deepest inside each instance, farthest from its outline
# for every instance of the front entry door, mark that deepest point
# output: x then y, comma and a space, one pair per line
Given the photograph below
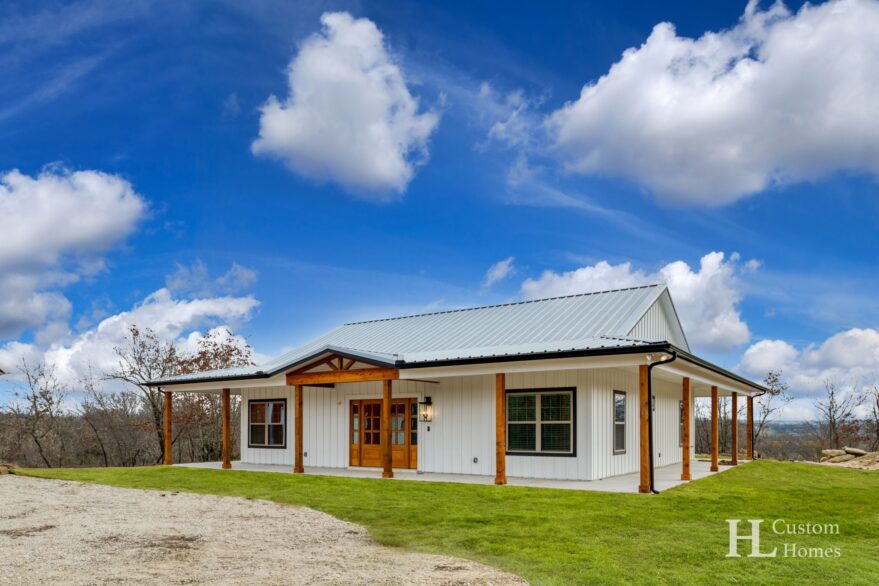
365, 432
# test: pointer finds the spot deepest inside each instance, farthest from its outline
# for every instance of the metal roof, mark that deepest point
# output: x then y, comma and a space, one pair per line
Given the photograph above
576, 322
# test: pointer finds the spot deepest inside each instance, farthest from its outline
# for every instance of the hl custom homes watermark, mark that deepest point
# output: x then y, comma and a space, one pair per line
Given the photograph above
790, 549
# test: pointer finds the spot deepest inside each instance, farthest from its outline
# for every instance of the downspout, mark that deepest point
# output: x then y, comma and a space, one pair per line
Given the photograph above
674, 356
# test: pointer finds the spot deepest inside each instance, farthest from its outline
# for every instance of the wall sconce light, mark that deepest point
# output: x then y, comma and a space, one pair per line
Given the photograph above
425, 410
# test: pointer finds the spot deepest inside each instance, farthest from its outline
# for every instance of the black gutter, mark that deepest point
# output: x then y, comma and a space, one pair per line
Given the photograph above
674, 356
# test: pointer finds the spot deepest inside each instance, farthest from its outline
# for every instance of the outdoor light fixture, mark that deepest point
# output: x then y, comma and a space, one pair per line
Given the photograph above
425, 410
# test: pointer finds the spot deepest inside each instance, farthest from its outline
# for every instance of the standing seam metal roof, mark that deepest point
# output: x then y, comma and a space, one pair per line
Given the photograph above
575, 322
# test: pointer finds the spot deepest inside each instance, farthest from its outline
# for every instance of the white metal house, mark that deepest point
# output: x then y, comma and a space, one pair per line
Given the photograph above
561, 388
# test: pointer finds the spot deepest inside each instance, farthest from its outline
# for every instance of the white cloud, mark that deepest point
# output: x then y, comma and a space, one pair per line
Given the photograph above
849, 358
195, 280
56, 228
498, 272
779, 98
173, 320
707, 299
349, 117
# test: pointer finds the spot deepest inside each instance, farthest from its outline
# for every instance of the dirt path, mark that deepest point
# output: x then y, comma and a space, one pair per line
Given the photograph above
54, 532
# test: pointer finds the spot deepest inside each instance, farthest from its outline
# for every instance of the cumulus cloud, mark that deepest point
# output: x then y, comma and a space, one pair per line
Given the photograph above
350, 117
498, 272
781, 97
56, 228
849, 358
707, 299
172, 319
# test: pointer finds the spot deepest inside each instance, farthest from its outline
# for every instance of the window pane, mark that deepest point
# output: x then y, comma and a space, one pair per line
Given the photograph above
521, 407
522, 436
258, 435
619, 437
619, 406
399, 438
257, 412
555, 407
276, 413
355, 438
276, 435
413, 438
555, 437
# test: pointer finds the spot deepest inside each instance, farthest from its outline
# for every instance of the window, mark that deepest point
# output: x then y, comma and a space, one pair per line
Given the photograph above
619, 422
267, 422
541, 422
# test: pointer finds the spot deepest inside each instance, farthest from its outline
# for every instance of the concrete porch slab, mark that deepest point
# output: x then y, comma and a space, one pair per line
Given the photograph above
666, 476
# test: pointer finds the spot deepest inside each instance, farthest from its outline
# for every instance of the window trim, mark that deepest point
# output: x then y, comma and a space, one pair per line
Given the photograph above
624, 422
261, 446
551, 390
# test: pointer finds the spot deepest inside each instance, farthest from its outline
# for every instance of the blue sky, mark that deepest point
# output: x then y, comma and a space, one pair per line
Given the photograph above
486, 152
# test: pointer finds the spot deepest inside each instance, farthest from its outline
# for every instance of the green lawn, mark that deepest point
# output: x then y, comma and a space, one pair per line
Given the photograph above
566, 537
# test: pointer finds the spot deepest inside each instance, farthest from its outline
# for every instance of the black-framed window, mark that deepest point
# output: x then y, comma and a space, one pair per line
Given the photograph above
267, 423
541, 422
619, 422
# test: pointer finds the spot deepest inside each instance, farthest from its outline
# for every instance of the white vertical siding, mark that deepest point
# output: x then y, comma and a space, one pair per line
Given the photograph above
604, 383
267, 455
656, 325
461, 437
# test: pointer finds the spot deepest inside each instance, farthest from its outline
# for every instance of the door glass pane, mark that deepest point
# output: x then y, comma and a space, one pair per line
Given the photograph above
522, 437
355, 439
399, 438
257, 435
413, 438
555, 437
257, 412
555, 407
521, 407
413, 422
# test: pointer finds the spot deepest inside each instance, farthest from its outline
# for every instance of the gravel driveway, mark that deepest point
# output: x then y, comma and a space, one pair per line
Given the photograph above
55, 532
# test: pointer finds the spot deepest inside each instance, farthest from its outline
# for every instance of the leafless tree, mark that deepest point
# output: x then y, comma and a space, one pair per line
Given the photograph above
838, 410
144, 357
38, 410
770, 405
873, 422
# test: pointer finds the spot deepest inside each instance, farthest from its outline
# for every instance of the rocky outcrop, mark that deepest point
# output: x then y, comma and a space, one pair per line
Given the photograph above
851, 458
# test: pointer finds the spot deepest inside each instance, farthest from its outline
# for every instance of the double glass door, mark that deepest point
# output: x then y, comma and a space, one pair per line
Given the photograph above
365, 432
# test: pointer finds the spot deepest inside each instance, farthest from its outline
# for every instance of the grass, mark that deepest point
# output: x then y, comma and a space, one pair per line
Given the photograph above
573, 537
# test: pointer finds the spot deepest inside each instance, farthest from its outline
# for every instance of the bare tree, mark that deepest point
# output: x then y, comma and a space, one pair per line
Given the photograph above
38, 409
873, 423
770, 404
143, 357
838, 422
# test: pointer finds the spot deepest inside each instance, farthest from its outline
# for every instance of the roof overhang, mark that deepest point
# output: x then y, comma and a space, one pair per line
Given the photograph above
685, 365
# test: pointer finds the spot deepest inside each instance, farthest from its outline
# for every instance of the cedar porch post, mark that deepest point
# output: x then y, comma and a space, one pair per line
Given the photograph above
500, 421
714, 430
298, 466
643, 414
735, 429
750, 417
387, 456
227, 429
686, 392
169, 459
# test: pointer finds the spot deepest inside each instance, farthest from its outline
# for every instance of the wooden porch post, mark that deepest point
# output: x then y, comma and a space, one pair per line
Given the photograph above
686, 393
298, 466
227, 429
750, 440
734, 431
168, 414
714, 430
643, 414
500, 421
387, 456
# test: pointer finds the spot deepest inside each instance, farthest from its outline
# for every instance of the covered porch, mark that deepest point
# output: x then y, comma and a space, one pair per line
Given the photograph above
666, 476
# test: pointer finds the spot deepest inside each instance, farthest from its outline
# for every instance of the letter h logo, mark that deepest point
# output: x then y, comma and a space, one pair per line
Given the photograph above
754, 538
